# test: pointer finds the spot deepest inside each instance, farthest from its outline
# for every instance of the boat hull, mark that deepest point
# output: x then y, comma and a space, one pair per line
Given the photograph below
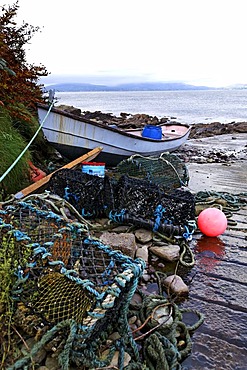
73, 136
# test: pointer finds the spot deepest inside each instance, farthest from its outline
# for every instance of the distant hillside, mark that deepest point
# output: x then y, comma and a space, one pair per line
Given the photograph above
238, 87
144, 86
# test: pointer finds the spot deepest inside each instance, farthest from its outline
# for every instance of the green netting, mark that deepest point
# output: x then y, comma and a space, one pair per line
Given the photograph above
167, 170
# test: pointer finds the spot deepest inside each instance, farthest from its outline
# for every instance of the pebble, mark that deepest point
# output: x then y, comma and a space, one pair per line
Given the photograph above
175, 284
142, 253
114, 361
143, 235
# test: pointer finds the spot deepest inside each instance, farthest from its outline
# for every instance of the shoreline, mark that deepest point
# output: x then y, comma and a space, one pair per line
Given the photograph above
190, 107
217, 163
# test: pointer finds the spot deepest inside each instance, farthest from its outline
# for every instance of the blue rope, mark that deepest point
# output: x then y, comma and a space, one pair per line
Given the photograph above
187, 234
158, 216
86, 214
117, 217
67, 195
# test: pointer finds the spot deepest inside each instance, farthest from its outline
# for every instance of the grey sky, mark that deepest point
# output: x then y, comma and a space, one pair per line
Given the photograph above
195, 41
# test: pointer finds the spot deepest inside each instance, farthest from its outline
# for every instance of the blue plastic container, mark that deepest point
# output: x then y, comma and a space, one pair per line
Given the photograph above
94, 168
153, 132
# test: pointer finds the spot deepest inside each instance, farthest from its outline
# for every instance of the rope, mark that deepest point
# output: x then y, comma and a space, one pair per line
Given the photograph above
19, 364
162, 349
28, 145
226, 202
186, 249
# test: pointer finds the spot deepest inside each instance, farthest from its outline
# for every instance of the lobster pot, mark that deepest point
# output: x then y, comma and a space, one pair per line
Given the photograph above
167, 170
73, 284
147, 201
90, 195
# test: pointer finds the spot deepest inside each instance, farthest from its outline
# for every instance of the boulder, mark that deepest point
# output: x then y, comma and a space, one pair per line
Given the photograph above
169, 252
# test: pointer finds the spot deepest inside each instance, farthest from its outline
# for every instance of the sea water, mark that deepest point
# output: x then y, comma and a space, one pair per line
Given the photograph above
196, 106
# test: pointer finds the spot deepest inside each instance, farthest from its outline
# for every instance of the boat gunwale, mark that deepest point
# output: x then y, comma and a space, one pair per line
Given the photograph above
117, 130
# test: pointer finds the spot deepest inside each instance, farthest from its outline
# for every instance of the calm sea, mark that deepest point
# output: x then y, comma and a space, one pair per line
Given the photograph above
197, 106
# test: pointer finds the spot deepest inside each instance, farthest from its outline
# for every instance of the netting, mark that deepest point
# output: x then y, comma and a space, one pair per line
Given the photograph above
145, 200
167, 170
90, 195
69, 281
127, 199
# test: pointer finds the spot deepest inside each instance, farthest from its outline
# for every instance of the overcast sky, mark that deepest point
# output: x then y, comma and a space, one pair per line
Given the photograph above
201, 42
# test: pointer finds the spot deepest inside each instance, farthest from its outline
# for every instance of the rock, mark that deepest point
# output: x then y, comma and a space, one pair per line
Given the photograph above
103, 221
146, 278
167, 252
163, 315
161, 265
175, 284
143, 235
114, 336
132, 320
121, 229
70, 109
52, 363
142, 253
125, 242
136, 300
114, 361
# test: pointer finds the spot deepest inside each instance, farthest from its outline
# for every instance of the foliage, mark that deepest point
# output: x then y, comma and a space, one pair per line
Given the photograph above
19, 93
27, 125
11, 146
18, 79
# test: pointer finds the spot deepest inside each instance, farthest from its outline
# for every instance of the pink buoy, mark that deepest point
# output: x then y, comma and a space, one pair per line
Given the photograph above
212, 222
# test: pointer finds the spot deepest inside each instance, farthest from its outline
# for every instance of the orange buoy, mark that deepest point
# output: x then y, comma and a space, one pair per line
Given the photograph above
212, 222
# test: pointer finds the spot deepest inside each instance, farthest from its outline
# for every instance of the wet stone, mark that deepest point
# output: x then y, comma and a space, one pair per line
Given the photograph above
220, 321
143, 235
142, 253
114, 361
219, 291
175, 284
208, 353
226, 270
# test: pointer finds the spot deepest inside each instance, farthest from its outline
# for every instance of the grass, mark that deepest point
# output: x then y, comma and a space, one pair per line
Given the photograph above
11, 145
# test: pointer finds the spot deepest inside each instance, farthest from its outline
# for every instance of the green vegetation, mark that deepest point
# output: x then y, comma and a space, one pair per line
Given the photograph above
11, 145
19, 94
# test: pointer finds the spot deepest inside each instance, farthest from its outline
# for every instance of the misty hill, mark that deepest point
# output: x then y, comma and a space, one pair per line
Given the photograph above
143, 86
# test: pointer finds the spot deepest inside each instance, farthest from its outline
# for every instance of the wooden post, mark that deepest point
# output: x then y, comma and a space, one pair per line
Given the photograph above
33, 187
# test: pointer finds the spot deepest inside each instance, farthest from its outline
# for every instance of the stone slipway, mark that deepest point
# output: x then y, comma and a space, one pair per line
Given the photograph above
218, 282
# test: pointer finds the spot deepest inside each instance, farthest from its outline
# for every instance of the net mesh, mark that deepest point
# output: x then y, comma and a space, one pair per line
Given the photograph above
62, 271
90, 195
167, 170
144, 201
